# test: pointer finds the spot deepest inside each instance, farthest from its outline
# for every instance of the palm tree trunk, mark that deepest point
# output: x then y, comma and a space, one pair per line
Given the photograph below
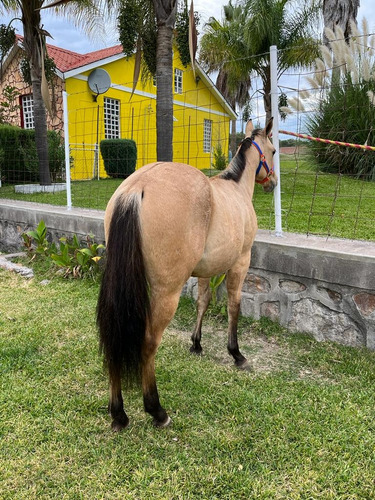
339, 13
40, 123
267, 93
164, 100
233, 138
32, 49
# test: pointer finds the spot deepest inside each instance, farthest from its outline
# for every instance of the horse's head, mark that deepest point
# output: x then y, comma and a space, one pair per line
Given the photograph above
265, 174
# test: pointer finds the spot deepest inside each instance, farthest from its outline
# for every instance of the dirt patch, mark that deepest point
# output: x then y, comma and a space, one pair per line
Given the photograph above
293, 150
264, 354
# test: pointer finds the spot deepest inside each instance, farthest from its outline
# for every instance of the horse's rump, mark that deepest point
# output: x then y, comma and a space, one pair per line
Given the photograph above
175, 212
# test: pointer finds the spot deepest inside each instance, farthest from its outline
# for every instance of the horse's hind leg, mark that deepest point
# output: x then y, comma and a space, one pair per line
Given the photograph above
204, 297
235, 279
116, 405
162, 311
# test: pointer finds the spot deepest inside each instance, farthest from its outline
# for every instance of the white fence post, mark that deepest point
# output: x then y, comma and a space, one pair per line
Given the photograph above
67, 152
275, 138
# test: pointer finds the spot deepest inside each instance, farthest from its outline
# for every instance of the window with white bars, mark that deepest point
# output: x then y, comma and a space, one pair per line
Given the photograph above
111, 118
28, 111
207, 135
178, 81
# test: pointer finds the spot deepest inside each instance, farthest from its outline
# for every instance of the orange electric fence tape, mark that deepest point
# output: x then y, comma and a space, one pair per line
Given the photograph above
328, 141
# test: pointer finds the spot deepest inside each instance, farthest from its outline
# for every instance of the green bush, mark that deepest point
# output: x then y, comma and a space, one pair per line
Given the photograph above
220, 160
345, 115
120, 157
75, 259
19, 159
56, 156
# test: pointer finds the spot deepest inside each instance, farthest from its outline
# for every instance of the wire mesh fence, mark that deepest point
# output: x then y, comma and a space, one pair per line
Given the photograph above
314, 198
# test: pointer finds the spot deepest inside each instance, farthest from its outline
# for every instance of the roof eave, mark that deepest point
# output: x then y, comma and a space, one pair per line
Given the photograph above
87, 67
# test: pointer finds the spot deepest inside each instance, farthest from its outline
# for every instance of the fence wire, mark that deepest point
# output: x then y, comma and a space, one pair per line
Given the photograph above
314, 200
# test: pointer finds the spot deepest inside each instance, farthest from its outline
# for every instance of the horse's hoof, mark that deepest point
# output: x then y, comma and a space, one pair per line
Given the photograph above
162, 425
118, 426
196, 350
244, 365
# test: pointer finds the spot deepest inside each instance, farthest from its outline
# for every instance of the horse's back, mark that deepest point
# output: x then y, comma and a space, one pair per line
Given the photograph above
175, 211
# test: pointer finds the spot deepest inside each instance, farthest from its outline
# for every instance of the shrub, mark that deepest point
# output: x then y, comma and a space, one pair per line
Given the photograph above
17, 164
73, 258
56, 155
220, 160
19, 159
346, 82
120, 157
345, 115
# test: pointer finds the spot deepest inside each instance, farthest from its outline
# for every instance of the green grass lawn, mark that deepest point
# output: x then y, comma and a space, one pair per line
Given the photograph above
319, 203
300, 426
312, 202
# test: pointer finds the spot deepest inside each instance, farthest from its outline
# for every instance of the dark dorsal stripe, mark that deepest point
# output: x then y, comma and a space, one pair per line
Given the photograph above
237, 165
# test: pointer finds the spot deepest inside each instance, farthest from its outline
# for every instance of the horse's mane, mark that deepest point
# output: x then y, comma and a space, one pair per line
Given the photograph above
236, 167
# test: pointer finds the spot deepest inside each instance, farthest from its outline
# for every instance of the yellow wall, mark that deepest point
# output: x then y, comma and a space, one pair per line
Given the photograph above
138, 118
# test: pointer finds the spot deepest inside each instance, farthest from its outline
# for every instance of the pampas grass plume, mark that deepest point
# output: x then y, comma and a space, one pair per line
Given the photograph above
371, 97
296, 104
286, 110
327, 55
329, 34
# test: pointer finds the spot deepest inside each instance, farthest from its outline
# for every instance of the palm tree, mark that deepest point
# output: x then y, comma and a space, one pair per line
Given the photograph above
148, 26
84, 11
87, 13
255, 26
165, 11
221, 50
339, 13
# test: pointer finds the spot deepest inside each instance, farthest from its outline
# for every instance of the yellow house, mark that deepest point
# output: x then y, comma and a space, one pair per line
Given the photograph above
100, 105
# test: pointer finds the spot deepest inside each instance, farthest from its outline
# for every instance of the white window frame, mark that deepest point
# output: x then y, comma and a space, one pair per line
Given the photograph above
111, 118
207, 135
178, 81
27, 103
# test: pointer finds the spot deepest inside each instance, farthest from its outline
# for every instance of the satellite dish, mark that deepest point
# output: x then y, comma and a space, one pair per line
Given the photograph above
99, 82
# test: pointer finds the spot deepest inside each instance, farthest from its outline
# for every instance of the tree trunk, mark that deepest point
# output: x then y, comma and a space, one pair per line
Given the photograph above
164, 94
339, 13
267, 93
233, 137
32, 49
41, 141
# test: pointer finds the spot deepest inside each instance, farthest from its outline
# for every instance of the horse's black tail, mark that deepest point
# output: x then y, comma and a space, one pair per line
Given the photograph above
123, 306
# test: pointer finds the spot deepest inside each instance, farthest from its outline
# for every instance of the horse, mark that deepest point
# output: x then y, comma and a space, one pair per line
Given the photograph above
166, 222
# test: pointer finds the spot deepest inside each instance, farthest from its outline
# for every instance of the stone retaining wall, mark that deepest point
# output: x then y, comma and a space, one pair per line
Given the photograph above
325, 288
322, 287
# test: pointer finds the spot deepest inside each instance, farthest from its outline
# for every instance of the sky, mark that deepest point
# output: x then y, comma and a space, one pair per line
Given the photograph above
67, 36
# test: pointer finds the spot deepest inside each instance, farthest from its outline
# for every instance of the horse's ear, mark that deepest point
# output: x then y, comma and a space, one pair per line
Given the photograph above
269, 127
249, 128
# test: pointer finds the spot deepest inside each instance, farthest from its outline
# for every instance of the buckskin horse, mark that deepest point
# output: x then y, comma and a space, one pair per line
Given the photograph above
165, 223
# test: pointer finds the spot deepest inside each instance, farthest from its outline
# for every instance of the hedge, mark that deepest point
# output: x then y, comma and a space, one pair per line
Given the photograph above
119, 156
19, 159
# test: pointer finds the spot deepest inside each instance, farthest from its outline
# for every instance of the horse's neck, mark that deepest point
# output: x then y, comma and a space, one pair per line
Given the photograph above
223, 187
247, 181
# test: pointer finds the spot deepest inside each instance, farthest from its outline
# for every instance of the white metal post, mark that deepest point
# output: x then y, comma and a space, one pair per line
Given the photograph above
67, 152
275, 138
